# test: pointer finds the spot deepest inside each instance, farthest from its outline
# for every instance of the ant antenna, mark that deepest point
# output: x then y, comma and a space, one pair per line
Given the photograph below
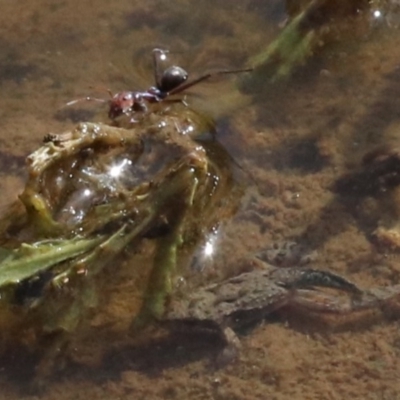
207, 76
91, 98
87, 98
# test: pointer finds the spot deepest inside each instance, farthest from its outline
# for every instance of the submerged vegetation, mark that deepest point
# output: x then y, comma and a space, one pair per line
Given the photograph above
99, 195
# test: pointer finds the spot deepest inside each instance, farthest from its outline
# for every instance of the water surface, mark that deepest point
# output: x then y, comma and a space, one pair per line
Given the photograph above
293, 139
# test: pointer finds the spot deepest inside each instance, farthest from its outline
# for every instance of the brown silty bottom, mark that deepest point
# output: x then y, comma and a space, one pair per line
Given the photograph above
295, 141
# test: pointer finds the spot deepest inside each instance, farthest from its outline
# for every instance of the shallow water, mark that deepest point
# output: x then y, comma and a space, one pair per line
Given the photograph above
293, 139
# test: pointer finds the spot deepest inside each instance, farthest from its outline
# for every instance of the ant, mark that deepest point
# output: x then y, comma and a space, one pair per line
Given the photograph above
171, 81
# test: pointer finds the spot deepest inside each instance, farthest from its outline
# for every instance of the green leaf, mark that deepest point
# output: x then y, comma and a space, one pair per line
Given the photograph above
30, 259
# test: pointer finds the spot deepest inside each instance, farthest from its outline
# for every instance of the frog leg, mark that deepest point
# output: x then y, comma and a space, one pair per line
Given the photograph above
302, 284
300, 281
299, 278
385, 299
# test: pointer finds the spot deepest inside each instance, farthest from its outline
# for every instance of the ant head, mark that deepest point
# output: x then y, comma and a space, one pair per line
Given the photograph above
120, 103
123, 103
171, 78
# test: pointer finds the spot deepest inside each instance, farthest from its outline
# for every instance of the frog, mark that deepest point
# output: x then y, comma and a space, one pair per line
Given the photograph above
225, 307
99, 196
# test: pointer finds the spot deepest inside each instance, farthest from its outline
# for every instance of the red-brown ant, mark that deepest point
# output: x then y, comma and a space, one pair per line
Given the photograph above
171, 81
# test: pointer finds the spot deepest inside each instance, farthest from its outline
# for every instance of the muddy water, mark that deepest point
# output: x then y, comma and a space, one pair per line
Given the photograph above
293, 139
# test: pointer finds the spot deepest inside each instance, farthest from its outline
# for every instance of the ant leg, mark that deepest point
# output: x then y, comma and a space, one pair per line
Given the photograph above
202, 78
142, 111
87, 98
183, 101
158, 54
